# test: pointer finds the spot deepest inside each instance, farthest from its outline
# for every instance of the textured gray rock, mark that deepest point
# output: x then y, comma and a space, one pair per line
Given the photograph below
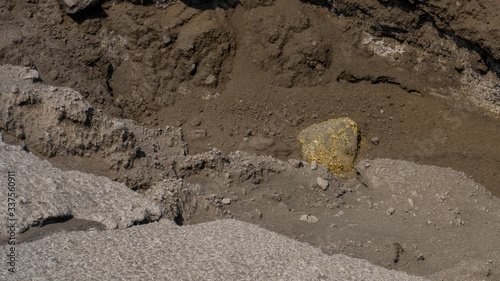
322, 183
75, 6
221, 250
46, 193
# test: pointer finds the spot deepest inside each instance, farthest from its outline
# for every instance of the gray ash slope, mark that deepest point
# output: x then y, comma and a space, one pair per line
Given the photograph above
221, 250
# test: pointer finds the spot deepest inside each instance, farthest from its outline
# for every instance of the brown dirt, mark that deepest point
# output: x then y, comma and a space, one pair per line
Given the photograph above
252, 76
274, 70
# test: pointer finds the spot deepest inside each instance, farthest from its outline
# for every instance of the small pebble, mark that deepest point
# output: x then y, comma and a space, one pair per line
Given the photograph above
322, 183
211, 79
259, 213
309, 218
314, 165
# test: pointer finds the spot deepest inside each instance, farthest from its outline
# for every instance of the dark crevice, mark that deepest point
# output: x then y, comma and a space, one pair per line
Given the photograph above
196, 4
51, 220
404, 6
146, 220
179, 220
96, 12
398, 251
52, 226
320, 3
345, 76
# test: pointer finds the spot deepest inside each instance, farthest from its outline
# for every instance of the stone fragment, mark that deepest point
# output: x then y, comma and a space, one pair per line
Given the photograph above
375, 140
226, 201
75, 6
211, 79
309, 218
322, 183
314, 165
197, 134
32, 75
333, 143
259, 213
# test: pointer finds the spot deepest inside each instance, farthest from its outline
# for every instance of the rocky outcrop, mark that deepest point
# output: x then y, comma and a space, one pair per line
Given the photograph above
44, 194
222, 250
55, 121
469, 23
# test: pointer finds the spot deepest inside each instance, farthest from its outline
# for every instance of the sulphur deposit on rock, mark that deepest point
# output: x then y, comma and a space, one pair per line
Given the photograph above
333, 143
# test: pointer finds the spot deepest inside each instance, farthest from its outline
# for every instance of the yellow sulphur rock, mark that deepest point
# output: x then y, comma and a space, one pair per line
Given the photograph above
333, 143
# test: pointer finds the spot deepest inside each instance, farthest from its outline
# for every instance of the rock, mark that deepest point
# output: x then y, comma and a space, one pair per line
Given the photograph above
211, 79
226, 201
314, 165
390, 211
192, 68
197, 134
167, 39
375, 140
48, 194
333, 143
30, 74
259, 213
176, 198
322, 183
295, 163
75, 6
309, 218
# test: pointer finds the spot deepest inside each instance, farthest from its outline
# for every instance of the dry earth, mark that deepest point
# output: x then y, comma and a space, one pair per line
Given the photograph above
421, 79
